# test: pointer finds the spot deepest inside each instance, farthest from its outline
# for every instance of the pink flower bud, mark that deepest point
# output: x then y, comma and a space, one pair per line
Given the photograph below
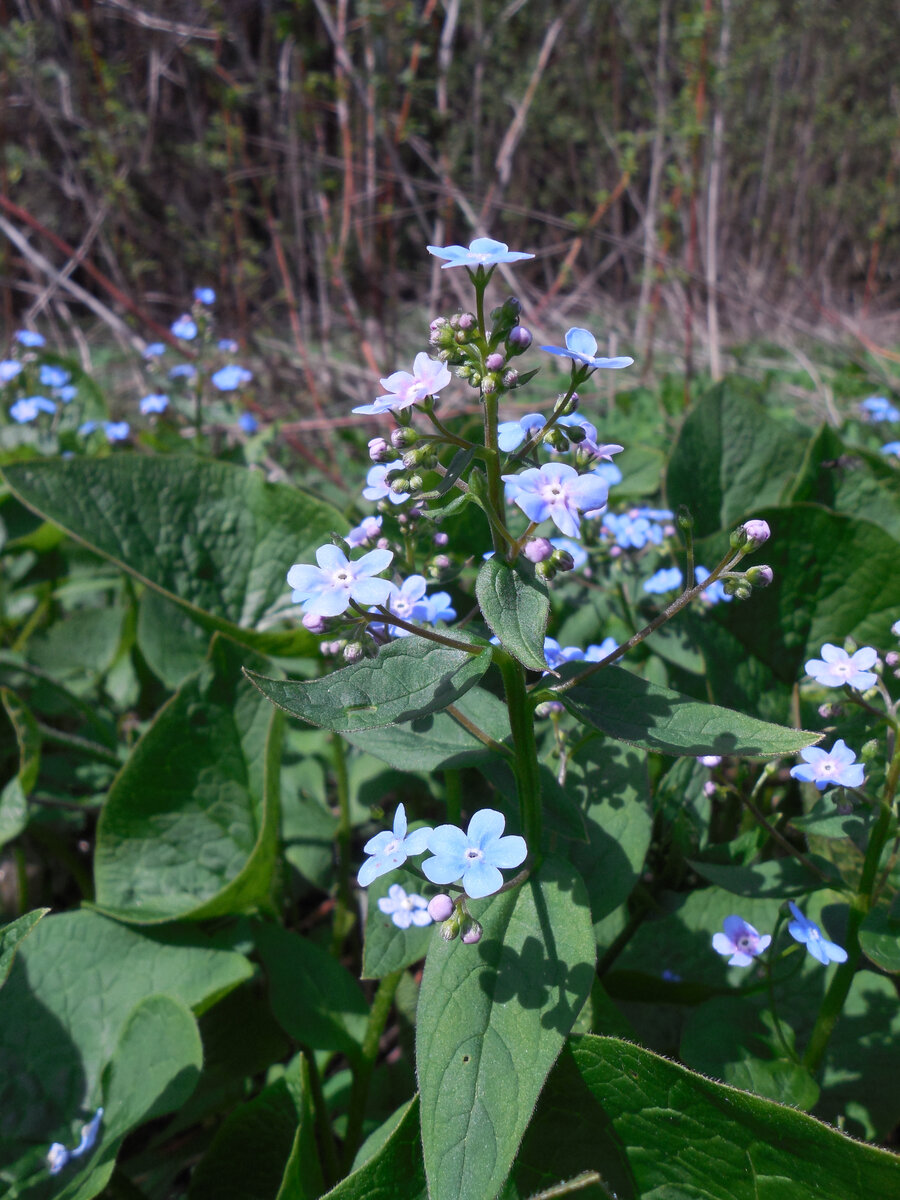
440, 907
494, 362
538, 550
756, 532
472, 933
314, 623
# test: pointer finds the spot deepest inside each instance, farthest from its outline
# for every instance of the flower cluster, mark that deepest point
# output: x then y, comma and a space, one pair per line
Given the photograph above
742, 943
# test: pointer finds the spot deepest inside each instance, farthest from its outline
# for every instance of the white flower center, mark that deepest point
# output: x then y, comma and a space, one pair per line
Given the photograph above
744, 942
473, 855
407, 903
393, 846
342, 577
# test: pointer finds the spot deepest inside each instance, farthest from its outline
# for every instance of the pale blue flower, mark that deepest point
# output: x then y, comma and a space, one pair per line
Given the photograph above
597, 653
378, 486
891, 448
87, 428
836, 667
390, 849
52, 376
227, 345
556, 654
367, 531
404, 602
631, 530
328, 589
437, 607
803, 930
483, 252
184, 328
602, 451
154, 349
27, 337
511, 434
155, 403
204, 295
667, 579
58, 1156
404, 908
183, 371
116, 431
879, 408
827, 767
608, 472
581, 347
67, 393
248, 423
741, 941
9, 369
29, 407
404, 389
475, 857
578, 552
227, 379
556, 492
715, 593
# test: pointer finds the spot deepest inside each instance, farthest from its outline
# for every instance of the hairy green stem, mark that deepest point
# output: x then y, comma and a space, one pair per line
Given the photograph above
331, 1167
342, 838
525, 763
362, 1076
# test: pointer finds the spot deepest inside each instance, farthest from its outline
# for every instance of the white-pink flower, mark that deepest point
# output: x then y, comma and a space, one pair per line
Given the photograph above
404, 389
836, 667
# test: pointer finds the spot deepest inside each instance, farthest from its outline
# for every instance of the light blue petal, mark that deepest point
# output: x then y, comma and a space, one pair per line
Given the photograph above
836, 953
510, 435
443, 870
507, 852
482, 880
417, 841
400, 822
582, 341
533, 506
379, 842
372, 868
817, 949
331, 558
374, 562
448, 841
558, 350
421, 916
371, 591
485, 826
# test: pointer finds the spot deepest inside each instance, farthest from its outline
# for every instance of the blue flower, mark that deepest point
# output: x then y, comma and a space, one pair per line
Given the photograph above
116, 431
581, 347
87, 428
154, 350
405, 909
511, 434
28, 408
184, 328
879, 408
328, 589
227, 379
155, 403
367, 531
9, 369
378, 486
183, 371
67, 393
390, 850
715, 593
58, 1156
557, 492
476, 856
836, 667
631, 530
248, 423
204, 295
599, 450
404, 601
437, 607
483, 252
887, 448
667, 579
53, 377
404, 389
826, 767
556, 654
227, 345
608, 472
741, 941
27, 337
803, 930
598, 653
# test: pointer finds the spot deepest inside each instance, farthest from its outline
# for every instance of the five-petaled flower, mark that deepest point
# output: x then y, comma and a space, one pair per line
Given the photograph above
184, 328
741, 941
803, 930
475, 857
391, 848
28, 408
826, 767
581, 347
836, 667
328, 589
483, 252
556, 491
666, 579
231, 377
403, 389
404, 908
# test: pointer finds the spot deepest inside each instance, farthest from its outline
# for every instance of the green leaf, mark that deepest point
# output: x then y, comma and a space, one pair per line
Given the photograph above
879, 936
516, 606
14, 796
13, 934
314, 998
215, 538
688, 1136
777, 877
410, 678
169, 638
439, 740
626, 707
73, 985
491, 1021
387, 948
190, 827
395, 1172
730, 459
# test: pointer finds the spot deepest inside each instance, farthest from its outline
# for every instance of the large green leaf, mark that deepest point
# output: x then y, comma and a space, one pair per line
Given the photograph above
215, 538
395, 1172
73, 984
12, 935
730, 459
408, 679
516, 605
190, 827
688, 1136
629, 708
491, 1021
14, 795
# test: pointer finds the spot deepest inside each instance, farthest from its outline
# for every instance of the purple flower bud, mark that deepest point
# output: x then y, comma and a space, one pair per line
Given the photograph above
378, 450
441, 562
760, 576
467, 321
511, 379
548, 707
538, 549
891, 658
494, 362
709, 789
751, 535
441, 538
353, 652
403, 437
519, 337
440, 907
472, 933
314, 623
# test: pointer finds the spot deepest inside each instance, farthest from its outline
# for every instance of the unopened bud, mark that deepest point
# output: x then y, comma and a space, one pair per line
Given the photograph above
891, 658
760, 576
519, 339
402, 438
709, 789
557, 439
743, 591
684, 519
545, 570
511, 378
472, 933
314, 623
576, 433
547, 707
415, 483
751, 535
414, 458
380, 451
399, 485
466, 321
441, 538
441, 562
563, 560
490, 384
494, 361
440, 907
538, 550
